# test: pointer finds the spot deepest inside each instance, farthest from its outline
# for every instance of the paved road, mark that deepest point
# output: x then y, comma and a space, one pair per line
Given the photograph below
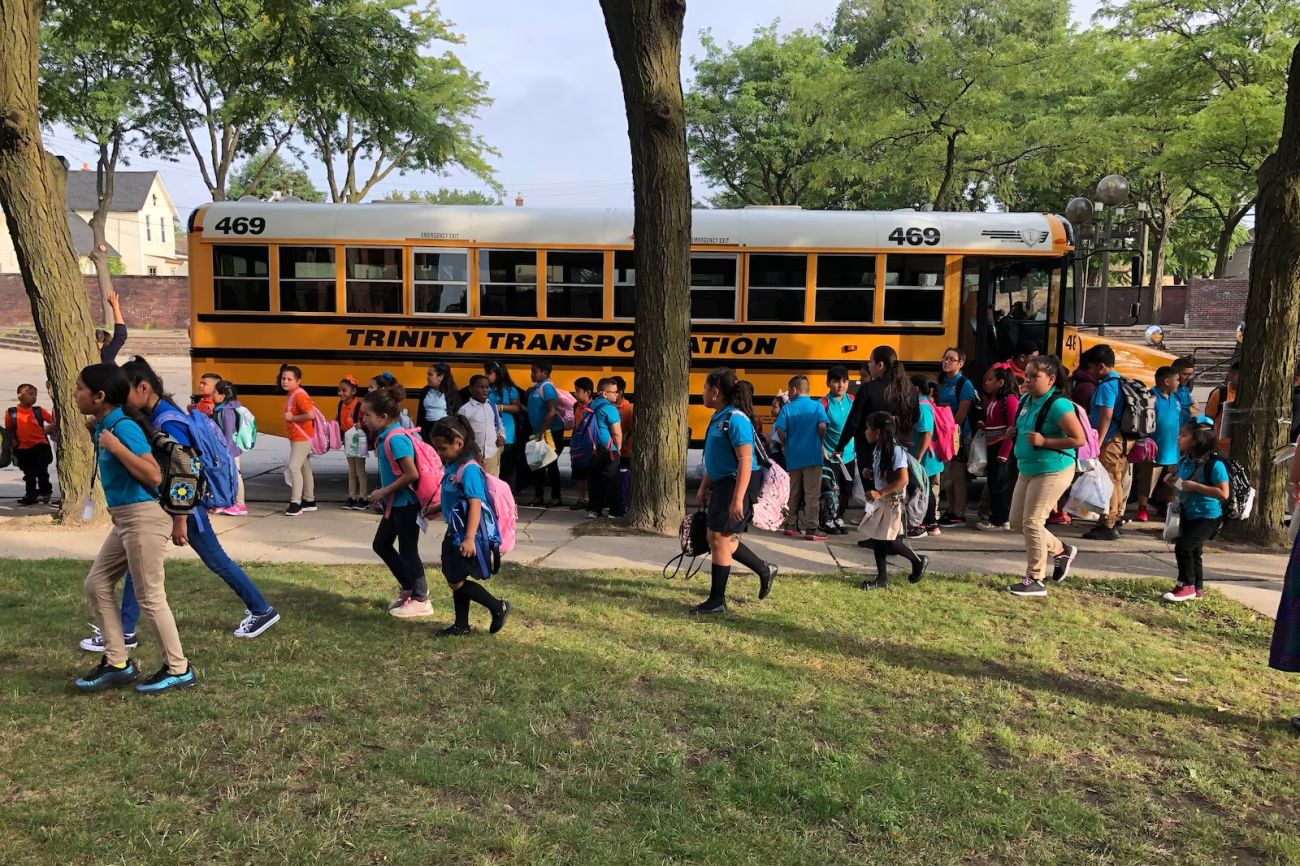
334, 536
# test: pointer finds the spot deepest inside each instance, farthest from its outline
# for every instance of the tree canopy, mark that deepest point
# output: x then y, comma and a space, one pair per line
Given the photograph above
443, 195
266, 173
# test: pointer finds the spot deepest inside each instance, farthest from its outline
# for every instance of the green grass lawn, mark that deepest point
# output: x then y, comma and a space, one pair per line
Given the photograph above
945, 723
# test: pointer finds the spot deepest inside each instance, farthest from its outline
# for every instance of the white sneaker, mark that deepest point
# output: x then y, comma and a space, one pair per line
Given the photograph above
412, 608
985, 526
95, 643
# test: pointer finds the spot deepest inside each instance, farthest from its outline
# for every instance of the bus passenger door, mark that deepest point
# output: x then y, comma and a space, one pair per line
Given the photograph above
1016, 304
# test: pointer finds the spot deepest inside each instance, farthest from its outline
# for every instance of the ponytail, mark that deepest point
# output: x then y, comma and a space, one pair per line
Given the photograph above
900, 396
453, 427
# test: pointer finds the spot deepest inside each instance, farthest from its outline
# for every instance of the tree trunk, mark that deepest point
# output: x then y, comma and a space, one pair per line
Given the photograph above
1272, 310
1222, 248
32, 188
646, 36
105, 178
942, 199
1156, 274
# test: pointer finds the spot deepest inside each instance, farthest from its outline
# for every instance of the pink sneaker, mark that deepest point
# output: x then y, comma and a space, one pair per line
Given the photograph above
236, 510
1142, 516
1183, 592
792, 533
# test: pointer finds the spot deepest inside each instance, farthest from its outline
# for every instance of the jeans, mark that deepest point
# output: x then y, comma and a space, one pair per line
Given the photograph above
203, 538
1002, 480
1188, 547
35, 465
602, 484
401, 525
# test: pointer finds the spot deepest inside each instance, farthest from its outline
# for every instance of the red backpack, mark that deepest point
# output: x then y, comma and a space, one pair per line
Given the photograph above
428, 489
947, 435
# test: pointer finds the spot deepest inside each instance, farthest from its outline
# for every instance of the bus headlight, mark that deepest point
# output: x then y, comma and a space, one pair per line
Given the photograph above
1155, 336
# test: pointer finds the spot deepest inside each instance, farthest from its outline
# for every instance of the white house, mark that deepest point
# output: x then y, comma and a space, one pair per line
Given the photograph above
141, 227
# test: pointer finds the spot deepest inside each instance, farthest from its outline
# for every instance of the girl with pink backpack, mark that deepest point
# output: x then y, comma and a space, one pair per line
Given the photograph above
479, 511
397, 539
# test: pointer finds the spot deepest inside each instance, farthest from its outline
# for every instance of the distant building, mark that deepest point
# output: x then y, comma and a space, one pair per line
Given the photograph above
141, 226
1239, 259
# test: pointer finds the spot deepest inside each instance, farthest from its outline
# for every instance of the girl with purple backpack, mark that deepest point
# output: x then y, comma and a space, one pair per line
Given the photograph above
398, 475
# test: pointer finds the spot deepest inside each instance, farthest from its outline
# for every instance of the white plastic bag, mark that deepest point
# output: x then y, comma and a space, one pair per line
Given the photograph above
1173, 522
539, 453
354, 443
977, 462
1090, 495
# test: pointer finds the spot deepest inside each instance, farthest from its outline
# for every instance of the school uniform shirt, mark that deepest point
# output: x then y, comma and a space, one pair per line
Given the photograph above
1041, 461
504, 397
925, 424
720, 444
472, 486
348, 415
1185, 403
952, 391
1198, 506
881, 477
799, 420
120, 486
206, 405
625, 414
606, 417
27, 430
484, 420
1168, 416
300, 431
396, 443
433, 406
1084, 387
998, 431
538, 396
1105, 397
837, 415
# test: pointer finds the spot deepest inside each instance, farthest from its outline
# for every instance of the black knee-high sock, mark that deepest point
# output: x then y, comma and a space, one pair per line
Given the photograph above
882, 567
477, 592
903, 549
718, 589
750, 560
460, 603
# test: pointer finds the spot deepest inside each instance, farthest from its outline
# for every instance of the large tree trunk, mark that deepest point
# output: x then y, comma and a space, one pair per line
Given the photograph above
1156, 274
105, 177
1272, 310
943, 198
1222, 248
32, 186
646, 36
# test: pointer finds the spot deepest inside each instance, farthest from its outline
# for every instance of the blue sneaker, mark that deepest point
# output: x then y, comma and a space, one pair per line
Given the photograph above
105, 676
254, 624
163, 681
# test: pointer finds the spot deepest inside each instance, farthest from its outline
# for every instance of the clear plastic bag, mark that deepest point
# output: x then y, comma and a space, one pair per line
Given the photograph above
977, 462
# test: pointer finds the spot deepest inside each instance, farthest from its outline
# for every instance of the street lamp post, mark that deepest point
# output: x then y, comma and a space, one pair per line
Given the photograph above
1080, 213
1113, 190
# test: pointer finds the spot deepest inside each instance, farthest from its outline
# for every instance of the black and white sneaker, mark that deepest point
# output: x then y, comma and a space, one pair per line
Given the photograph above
452, 631
499, 618
765, 581
918, 570
878, 583
309, 505
709, 606
1061, 564
95, 643
254, 624
1028, 588
294, 510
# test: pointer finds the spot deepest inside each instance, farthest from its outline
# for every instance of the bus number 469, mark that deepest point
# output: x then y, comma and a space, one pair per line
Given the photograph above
241, 226
915, 237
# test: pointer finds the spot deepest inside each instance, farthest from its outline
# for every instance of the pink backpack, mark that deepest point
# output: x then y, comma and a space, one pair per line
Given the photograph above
502, 501
428, 489
947, 437
564, 403
774, 496
1091, 448
325, 436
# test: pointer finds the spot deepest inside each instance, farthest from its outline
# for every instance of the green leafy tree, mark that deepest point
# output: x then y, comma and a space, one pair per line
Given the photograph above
265, 173
443, 195
372, 98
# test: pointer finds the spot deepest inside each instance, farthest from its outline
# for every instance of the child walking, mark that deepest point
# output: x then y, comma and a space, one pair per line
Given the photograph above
729, 488
464, 498
889, 476
27, 425
299, 427
1202, 484
126, 468
225, 411
1002, 400
348, 416
801, 427
397, 539
923, 451
583, 389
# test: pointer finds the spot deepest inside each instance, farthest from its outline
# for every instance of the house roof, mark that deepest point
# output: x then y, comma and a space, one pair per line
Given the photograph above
130, 190
83, 239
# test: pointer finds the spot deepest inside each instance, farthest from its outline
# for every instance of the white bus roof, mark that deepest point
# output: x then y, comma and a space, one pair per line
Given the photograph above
761, 228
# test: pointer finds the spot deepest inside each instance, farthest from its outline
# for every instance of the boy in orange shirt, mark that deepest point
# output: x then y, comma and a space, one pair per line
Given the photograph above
27, 424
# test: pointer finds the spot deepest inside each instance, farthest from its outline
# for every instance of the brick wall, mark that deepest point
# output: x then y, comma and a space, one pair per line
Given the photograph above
1173, 304
1216, 305
147, 302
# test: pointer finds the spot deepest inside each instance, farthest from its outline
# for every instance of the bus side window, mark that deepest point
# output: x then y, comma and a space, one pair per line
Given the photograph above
508, 283
241, 278
374, 280
778, 288
624, 284
713, 287
575, 285
914, 288
846, 288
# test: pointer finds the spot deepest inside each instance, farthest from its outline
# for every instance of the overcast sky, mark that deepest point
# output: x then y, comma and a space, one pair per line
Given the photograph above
557, 115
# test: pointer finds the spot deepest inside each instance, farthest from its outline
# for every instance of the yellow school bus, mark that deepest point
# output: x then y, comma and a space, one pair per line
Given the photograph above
366, 288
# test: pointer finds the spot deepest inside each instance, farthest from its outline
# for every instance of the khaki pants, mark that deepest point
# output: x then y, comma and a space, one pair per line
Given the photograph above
493, 464
137, 541
1033, 500
954, 482
357, 479
805, 489
239, 478
1114, 459
301, 481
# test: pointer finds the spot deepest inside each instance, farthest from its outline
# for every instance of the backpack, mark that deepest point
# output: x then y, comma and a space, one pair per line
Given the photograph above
500, 507
1241, 495
245, 427
564, 403
916, 499
1090, 450
773, 502
325, 437
218, 483
586, 448
946, 441
1137, 415
975, 414
6, 448
693, 536
829, 502
428, 488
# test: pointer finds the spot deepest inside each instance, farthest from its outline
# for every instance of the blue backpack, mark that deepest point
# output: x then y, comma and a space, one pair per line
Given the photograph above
220, 483
487, 541
588, 445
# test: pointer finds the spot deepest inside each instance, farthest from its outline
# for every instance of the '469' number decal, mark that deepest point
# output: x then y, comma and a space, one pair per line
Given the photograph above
915, 237
241, 226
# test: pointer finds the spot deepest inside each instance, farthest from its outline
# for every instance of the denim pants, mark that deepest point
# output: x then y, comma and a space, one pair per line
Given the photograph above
203, 539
